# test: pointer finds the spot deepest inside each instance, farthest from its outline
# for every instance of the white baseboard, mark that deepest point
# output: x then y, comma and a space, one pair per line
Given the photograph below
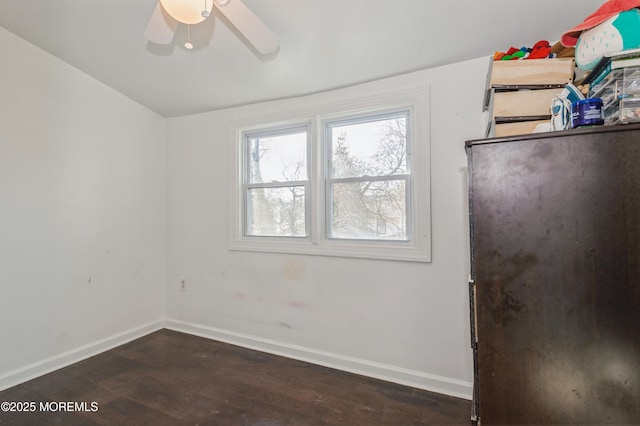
56, 362
417, 379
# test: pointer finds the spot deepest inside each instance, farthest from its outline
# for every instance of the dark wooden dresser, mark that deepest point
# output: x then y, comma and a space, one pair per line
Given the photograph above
555, 277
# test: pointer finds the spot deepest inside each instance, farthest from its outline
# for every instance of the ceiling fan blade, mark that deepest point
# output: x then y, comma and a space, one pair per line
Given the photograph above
161, 27
249, 25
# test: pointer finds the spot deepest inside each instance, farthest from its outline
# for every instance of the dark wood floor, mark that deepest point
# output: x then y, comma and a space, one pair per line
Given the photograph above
170, 378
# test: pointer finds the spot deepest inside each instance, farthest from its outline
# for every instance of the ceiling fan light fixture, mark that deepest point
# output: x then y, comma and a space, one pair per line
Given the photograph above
186, 11
169, 13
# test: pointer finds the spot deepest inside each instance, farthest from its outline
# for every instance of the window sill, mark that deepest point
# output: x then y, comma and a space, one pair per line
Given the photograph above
381, 250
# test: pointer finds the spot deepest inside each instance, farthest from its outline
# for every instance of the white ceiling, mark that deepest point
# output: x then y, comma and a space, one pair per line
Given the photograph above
324, 44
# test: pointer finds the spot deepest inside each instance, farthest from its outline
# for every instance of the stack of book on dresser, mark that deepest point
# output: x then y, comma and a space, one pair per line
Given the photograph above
616, 80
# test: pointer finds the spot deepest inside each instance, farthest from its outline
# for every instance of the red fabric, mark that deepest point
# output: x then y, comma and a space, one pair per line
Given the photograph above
540, 50
609, 9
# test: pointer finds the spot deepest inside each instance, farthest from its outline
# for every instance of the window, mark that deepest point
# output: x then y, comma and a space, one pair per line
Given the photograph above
347, 179
368, 178
276, 183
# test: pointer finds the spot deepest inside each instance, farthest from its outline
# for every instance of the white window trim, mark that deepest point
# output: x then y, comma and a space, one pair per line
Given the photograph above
418, 249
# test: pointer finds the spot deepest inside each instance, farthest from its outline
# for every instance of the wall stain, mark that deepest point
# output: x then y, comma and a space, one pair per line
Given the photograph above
293, 269
295, 305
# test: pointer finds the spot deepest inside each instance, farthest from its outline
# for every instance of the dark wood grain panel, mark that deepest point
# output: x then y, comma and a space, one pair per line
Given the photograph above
556, 253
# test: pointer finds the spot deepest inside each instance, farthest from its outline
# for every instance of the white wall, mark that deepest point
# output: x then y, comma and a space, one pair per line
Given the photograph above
82, 214
84, 222
407, 322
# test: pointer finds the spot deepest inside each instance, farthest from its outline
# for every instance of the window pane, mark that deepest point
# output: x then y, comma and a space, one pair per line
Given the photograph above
278, 158
369, 210
371, 148
276, 212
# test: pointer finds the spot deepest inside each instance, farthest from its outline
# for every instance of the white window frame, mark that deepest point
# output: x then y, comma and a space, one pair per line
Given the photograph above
314, 115
248, 185
329, 180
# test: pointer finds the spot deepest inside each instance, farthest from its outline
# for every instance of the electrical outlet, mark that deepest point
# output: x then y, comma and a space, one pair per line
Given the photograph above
182, 285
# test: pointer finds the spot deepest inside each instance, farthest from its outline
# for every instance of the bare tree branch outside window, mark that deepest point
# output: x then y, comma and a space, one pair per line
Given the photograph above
369, 179
278, 178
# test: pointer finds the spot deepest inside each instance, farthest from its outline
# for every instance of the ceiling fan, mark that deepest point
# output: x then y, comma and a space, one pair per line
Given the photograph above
169, 13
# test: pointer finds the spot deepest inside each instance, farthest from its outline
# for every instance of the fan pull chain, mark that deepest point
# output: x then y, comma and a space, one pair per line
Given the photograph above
188, 44
205, 13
